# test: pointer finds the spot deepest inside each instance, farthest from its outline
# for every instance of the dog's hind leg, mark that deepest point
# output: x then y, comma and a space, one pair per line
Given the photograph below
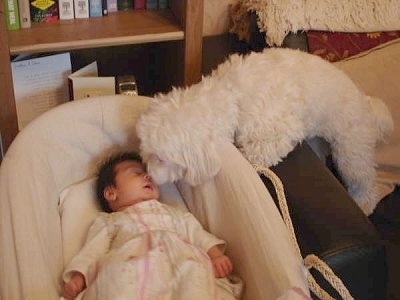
353, 155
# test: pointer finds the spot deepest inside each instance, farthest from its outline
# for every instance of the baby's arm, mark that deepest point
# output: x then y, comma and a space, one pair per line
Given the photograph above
79, 271
222, 264
74, 286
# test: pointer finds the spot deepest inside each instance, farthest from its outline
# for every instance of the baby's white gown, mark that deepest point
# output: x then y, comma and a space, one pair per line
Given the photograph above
149, 251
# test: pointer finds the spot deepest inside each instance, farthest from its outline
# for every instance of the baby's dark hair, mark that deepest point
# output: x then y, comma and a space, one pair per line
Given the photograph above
106, 175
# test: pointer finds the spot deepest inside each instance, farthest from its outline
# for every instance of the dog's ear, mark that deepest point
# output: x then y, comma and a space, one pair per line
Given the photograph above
202, 162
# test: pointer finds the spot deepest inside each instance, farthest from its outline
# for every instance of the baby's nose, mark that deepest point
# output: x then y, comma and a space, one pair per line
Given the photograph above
147, 177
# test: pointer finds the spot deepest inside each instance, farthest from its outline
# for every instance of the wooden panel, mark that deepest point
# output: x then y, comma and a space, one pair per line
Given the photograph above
193, 41
8, 115
120, 28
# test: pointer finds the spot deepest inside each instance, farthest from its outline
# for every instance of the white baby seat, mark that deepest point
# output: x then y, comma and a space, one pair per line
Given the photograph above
47, 203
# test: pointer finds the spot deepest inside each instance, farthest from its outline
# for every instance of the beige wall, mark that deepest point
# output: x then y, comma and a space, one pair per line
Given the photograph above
216, 16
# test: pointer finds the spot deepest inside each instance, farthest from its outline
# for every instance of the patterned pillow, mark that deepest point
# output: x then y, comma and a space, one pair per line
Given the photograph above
335, 46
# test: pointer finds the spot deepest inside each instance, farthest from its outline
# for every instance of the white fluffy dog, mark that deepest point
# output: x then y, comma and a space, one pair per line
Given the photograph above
265, 103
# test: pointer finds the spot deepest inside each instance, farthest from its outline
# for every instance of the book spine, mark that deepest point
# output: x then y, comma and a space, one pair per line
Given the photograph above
24, 13
44, 11
151, 4
162, 4
104, 9
140, 4
125, 4
81, 9
112, 6
11, 14
66, 8
95, 8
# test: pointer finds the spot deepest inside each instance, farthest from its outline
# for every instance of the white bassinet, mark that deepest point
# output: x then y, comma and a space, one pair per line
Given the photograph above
47, 203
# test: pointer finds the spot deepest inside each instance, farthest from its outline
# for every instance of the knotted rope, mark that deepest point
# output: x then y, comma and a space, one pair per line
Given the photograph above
311, 260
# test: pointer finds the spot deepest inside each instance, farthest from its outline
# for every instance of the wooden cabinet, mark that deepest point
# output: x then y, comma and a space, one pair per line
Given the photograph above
183, 21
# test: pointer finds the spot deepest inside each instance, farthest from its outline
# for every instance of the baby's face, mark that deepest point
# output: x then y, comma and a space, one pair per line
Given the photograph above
132, 185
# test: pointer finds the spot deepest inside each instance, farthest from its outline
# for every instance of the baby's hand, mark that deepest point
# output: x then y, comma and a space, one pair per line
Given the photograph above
74, 286
222, 266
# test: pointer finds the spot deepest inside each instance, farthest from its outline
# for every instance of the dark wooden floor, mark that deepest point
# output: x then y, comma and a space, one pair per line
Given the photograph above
386, 217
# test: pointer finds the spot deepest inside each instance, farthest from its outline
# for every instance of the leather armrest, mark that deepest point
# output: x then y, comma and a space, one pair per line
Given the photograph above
325, 217
329, 223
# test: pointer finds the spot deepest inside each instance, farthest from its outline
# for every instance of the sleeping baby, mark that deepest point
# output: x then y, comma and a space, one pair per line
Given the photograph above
140, 248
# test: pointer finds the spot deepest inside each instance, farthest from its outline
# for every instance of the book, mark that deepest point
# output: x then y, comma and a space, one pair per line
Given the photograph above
45, 11
66, 9
104, 9
162, 4
112, 6
24, 13
139, 4
81, 9
39, 85
95, 8
151, 4
86, 83
11, 13
125, 4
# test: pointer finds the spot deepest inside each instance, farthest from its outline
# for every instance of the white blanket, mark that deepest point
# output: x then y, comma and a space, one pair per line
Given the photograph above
63, 146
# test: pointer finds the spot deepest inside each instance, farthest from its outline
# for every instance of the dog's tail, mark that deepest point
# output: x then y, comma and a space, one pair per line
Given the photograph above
382, 117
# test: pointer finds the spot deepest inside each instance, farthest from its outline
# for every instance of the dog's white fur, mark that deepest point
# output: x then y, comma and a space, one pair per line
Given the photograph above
265, 103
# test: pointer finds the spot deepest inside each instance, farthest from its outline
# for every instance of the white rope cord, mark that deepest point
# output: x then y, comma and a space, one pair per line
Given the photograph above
310, 261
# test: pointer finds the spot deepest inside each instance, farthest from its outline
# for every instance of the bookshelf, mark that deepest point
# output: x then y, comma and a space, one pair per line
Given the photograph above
182, 21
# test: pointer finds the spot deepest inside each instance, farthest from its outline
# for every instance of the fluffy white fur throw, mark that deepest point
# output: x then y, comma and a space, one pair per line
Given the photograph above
278, 18
265, 103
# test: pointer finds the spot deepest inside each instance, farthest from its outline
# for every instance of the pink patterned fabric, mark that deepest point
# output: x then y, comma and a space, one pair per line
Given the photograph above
335, 46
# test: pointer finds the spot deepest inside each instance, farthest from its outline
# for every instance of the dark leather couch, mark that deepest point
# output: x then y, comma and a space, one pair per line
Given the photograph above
328, 223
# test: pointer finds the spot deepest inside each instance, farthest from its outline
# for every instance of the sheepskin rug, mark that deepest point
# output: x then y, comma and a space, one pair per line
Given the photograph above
265, 103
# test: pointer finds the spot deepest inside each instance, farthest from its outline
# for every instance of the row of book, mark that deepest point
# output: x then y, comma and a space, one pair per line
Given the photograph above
22, 13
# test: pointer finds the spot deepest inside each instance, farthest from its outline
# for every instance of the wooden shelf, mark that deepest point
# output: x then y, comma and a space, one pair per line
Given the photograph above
119, 28
183, 21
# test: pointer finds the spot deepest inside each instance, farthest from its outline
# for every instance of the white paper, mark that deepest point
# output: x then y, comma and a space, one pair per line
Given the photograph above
87, 71
86, 83
39, 85
86, 87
